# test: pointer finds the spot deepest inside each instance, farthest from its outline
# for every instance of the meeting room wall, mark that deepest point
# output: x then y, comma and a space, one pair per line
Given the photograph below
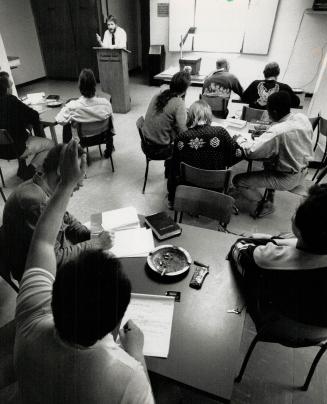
249, 67
20, 38
127, 14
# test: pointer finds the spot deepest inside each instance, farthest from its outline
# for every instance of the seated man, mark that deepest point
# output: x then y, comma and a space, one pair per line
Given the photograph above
66, 320
202, 146
87, 108
288, 147
288, 276
15, 117
221, 83
256, 95
25, 206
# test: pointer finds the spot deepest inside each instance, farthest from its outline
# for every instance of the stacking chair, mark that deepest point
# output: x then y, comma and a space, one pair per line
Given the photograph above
218, 105
7, 151
288, 332
322, 130
96, 134
149, 151
204, 202
253, 115
215, 180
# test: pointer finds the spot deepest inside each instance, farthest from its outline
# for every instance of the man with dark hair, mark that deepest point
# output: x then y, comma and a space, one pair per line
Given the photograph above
114, 37
16, 117
288, 276
65, 350
287, 146
221, 83
256, 95
25, 206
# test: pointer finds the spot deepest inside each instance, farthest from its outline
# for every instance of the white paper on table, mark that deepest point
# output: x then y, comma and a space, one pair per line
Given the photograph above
133, 243
153, 314
120, 218
36, 98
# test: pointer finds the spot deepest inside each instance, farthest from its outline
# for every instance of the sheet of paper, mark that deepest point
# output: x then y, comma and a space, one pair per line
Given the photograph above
133, 243
120, 218
36, 98
154, 315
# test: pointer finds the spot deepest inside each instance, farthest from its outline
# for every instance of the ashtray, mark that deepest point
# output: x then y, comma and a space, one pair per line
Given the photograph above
169, 260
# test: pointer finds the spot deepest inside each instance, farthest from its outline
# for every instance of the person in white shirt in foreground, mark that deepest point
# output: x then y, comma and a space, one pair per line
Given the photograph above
114, 37
65, 351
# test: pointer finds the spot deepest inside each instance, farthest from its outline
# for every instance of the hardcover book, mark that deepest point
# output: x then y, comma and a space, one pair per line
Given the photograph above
162, 225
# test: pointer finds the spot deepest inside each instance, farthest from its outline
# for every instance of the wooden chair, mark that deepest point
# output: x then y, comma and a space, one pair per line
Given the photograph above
216, 180
151, 152
322, 130
7, 152
253, 115
96, 134
218, 105
287, 332
204, 202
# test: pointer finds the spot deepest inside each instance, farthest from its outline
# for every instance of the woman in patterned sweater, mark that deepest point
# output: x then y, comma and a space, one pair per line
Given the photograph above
202, 146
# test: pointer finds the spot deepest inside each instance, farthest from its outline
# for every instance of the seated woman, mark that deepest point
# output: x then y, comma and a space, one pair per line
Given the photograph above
85, 109
166, 115
202, 146
288, 276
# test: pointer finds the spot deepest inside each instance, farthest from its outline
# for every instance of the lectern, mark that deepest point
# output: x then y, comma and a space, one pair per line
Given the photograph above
113, 72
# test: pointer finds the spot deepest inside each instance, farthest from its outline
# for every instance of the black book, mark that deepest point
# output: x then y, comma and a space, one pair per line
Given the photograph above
162, 226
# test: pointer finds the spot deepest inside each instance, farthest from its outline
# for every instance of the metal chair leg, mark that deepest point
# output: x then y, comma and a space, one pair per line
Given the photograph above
180, 217
246, 359
3, 195
100, 150
112, 164
315, 362
3, 181
321, 175
316, 144
260, 204
146, 175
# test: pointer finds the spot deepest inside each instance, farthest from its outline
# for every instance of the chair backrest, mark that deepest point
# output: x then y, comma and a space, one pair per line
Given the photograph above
253, 115
139, 125
7, 146
217, 104
217, 180
198, 201
90, 129
323, 126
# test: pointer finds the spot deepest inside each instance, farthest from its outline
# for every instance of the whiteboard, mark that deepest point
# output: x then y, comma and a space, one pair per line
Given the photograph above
259, 25
220, 25
228, 26
181, 18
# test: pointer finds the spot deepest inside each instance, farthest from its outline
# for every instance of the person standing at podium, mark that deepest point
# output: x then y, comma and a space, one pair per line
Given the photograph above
114, 37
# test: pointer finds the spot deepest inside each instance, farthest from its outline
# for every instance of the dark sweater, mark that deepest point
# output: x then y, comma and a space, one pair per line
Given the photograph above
21, 213
256, 95
15, 116
221, 84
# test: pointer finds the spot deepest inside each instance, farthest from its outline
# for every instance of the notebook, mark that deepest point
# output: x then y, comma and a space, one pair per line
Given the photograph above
162, 225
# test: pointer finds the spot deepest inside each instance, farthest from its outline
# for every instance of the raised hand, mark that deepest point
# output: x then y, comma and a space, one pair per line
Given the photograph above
71, 169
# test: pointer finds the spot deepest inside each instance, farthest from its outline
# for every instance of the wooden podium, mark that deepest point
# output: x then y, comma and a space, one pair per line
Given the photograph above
113, 73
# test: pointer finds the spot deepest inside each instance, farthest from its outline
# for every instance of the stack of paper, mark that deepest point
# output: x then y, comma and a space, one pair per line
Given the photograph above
120, 219
153, 314
35, 98
133, 243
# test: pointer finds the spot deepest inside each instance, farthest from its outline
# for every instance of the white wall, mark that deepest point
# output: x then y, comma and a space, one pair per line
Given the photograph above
319, 99
20, 39
246, 67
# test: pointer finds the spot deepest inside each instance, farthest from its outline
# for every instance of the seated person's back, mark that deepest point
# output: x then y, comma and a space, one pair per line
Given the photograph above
64, 346
256, 95
289, 276
166, 115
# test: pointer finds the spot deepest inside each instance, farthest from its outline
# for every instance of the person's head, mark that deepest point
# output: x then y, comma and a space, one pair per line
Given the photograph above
51, 166
87, 83
5, 84
89, 297
271, 70
222, 64
111, 23
199, 111
278, 105
178, 87
310, 221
